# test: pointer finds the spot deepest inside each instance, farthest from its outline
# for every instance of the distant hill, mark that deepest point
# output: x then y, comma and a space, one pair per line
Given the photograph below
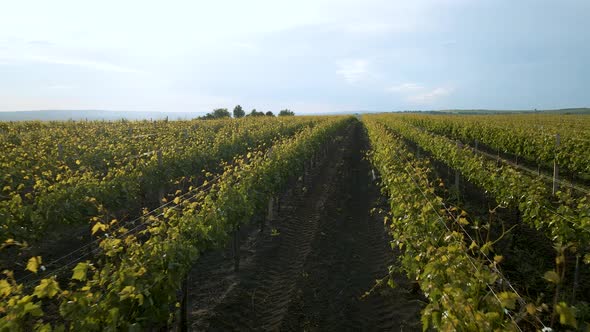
584, 110
93, 115
64, 115
581, 110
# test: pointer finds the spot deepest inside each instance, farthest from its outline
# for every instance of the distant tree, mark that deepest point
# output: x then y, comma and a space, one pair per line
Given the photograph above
286, 112
270, 113
221, 113
256, 113
218, 113
239, 112
207, 116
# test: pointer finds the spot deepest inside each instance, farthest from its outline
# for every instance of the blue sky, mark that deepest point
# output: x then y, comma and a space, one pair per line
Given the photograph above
308, 55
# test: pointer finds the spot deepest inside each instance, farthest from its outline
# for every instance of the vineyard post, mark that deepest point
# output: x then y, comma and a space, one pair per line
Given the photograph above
278, 202
269, 214
316, 158
576, 276
60, 151
304, 173
476, 144
161, 190
130, 131
184, 305
236, 248
556, 166
457, 174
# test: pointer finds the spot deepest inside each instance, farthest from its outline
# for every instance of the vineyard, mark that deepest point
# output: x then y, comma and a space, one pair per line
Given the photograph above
400, 221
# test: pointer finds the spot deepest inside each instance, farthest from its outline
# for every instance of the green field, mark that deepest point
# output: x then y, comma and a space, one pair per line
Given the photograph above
436, 220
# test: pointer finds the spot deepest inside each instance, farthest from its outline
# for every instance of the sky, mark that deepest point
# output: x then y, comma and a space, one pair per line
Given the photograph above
311, 56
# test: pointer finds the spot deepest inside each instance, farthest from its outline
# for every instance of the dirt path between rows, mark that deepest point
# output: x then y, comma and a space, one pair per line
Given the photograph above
310, 266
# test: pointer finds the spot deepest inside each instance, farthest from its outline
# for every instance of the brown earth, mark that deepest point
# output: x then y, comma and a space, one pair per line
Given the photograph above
310, 266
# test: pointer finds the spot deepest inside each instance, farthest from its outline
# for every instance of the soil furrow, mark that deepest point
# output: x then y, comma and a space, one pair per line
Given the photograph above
309, 268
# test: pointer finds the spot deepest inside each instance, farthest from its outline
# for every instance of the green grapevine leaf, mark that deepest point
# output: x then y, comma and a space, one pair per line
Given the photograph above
34, 263
80, 271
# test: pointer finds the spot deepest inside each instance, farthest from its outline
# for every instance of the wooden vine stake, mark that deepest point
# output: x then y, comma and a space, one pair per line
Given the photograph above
236, 248
457, 174
556, 166
60, 151
160, 163
269, 214
576, 278
304, 173
184, 306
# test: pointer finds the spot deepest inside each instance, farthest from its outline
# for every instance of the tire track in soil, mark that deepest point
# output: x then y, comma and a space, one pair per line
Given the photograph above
351, 252
220, 299
311, 276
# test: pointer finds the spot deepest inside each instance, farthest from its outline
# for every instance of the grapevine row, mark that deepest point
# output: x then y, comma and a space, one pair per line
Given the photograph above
75, 197
134, 283
520, 136
461, 286
564, 217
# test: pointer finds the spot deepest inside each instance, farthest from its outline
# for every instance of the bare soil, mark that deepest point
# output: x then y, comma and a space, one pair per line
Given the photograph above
310, 266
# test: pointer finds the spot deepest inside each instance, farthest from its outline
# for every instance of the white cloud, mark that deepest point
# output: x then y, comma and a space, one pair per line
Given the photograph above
367, 27
353, 71
246, 46
418, 94
46, 52
59, 87
91, 64
430, 96
405, 88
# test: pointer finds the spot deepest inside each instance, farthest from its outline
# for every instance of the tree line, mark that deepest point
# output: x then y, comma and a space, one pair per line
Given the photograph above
239, 112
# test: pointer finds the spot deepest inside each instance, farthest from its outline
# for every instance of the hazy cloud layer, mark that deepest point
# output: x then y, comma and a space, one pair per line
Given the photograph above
352, 71
311, 56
